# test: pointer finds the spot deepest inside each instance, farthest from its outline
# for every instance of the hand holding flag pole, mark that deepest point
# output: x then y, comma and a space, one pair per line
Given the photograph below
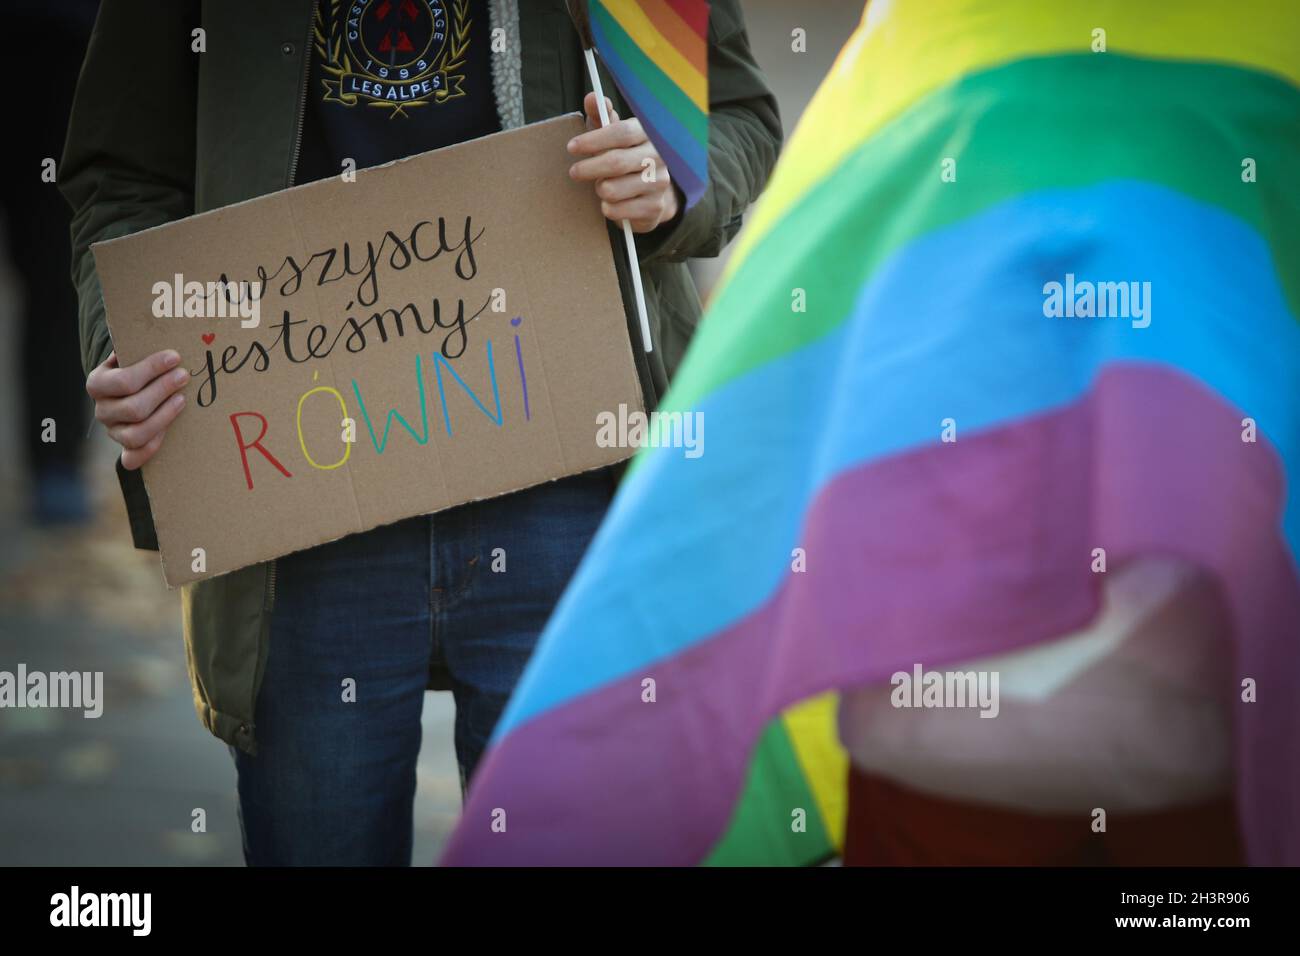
634, 261
657, 53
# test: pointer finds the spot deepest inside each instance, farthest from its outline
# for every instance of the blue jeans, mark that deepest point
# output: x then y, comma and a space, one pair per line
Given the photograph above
333, 782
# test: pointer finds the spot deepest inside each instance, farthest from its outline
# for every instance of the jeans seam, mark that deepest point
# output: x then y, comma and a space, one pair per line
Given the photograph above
433, 592
469, 572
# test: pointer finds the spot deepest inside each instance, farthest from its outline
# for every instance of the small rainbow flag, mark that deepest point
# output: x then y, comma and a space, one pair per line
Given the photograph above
657, 53
960, 158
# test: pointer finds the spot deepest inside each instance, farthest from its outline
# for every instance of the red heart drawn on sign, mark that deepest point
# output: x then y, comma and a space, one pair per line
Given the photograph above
208, 337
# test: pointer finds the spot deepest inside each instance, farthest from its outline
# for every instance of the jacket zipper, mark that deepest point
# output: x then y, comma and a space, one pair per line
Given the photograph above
270, 584
302, 96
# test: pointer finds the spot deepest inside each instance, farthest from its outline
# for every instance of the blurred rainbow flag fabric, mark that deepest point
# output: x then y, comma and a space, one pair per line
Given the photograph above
657, 52
827, 537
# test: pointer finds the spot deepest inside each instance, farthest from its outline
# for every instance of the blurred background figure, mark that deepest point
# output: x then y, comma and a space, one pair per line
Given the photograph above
49, 42
126, 788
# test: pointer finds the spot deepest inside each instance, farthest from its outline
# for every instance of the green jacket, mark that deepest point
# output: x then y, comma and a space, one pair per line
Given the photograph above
160, 132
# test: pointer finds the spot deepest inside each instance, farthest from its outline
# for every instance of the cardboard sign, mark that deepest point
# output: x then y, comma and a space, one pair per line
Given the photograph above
438, 330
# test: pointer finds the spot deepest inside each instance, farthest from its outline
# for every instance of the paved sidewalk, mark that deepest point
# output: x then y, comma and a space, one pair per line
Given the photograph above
122, 788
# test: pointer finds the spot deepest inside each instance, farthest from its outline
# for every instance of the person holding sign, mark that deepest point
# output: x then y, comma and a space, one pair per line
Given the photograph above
312, 667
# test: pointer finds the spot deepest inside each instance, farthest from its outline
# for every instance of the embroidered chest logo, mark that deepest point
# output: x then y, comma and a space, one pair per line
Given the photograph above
393, 54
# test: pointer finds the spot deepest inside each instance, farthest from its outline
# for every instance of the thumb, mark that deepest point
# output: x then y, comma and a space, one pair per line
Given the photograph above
593, 111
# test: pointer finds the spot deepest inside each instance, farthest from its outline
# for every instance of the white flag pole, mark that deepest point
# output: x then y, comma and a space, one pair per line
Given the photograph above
633, 259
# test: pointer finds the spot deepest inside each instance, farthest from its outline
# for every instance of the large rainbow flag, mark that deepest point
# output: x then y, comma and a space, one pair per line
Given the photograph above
657, 52
827, 537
